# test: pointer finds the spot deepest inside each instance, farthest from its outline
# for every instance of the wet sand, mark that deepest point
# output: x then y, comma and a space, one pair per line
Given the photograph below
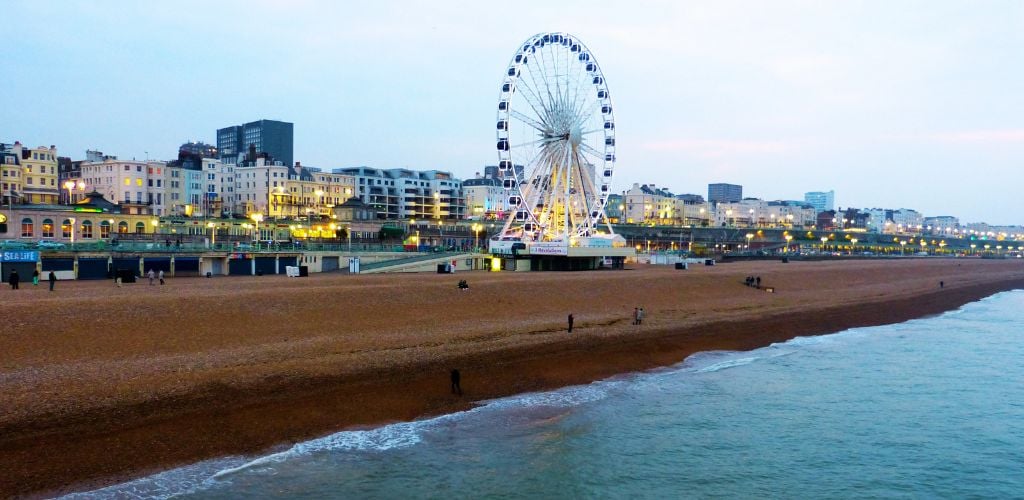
100, 384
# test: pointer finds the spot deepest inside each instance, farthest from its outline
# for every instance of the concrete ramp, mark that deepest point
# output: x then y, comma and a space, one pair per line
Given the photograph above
422, 263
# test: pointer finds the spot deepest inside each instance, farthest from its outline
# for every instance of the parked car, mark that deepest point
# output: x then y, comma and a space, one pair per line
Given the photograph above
50, 245
13, 245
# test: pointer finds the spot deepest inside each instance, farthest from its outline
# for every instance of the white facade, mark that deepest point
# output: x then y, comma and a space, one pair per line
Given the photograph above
129, 182
894, 220
407, 194
761, 213
484, 196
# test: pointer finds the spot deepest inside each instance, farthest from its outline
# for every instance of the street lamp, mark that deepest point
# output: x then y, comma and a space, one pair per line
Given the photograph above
903, 246
789, 238
72, 232
257, 217
853, 241
476, 235
213, 234
749, 237
824, 239
69, 185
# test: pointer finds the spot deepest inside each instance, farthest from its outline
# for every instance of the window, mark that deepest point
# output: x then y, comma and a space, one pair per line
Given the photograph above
105, 229
138, 168
65, 228
122, 227
47, 228
140, 227
127, 168
27, 230
87, 229
138, 181
127, 182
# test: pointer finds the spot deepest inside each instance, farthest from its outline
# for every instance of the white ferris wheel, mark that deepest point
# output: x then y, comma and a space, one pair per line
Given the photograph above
556, 140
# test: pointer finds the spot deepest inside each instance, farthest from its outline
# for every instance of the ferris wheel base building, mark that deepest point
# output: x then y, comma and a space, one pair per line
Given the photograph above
590, 254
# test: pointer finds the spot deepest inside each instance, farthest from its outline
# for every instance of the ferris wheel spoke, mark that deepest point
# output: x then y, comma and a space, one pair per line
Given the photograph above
533, 100
587, 148
538, 125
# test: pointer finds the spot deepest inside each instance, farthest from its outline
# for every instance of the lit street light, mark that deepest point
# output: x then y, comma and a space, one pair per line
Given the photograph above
257, 217
476, 235
213, 234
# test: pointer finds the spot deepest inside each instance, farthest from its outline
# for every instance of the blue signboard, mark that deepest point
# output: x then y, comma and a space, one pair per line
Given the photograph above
19, 256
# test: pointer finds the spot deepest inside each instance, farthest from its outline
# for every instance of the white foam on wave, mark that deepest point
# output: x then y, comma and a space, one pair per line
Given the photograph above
730, 363
406, 434
168, 484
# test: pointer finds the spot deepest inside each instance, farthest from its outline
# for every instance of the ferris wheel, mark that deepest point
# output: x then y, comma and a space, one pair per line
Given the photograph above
555, 140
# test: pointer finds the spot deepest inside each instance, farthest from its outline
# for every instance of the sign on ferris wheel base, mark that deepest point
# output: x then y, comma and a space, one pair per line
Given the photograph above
548, 248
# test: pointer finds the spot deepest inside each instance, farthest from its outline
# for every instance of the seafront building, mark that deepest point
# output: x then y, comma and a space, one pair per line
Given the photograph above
401, 193
273, 137
724, 193
822, 201
28, 175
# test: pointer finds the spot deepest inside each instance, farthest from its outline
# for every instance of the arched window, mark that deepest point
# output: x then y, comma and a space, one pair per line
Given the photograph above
86, 229
140, 227
105, 229
27, 229
47, 228
65, 229
122, 227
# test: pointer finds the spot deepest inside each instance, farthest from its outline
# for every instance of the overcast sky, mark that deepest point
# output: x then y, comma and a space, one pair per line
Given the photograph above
891, 104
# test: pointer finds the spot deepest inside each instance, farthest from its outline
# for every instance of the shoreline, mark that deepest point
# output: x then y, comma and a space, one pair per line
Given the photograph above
83, 451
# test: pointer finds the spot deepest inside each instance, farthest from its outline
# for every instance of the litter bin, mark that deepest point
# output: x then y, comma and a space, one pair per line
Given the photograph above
785, 260
303, 271
441, 269
709, 262
681, 265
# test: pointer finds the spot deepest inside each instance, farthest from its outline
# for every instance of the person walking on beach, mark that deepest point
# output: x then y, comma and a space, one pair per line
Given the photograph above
456, 382
942, 284
759, 282
570, 322
13, 279
636, 315
640, 316
150, 275
35, 277
161, 277
53, 280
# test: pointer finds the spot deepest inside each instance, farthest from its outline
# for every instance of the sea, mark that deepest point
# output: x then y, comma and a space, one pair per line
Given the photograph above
930, 408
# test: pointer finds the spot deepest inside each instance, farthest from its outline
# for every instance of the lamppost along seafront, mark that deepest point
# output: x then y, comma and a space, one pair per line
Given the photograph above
257, 217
